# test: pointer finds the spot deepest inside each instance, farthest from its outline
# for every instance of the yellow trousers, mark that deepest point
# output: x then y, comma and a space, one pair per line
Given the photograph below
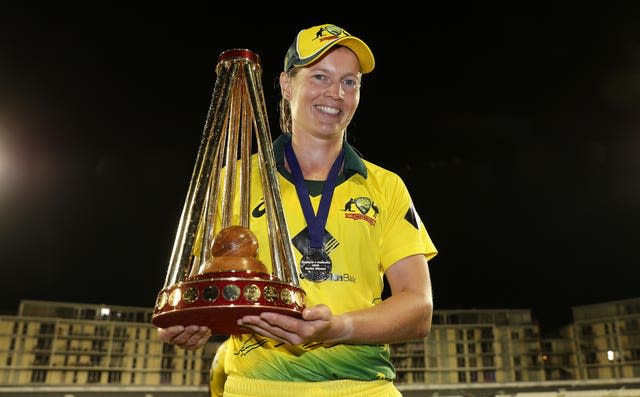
236, 386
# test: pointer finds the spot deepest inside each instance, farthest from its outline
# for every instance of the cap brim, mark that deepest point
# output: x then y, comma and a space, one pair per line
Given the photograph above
362, 51
359, 47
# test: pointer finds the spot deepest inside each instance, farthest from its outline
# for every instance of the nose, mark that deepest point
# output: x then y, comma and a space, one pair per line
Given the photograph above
335, 90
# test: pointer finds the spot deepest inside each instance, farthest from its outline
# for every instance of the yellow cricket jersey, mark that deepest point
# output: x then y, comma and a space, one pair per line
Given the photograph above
372, 223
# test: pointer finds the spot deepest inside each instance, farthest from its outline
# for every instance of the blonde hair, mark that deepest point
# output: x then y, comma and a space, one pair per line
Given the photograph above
284, 108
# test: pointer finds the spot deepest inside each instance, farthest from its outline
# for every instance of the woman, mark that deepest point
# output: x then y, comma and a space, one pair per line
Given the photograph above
352, 223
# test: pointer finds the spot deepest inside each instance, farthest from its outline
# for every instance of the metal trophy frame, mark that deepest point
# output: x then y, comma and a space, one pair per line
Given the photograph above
193, 294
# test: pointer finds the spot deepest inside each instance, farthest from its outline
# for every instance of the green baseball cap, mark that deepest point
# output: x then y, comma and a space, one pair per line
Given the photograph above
311, 43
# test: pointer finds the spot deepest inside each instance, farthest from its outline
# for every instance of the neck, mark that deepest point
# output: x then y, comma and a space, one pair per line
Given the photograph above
315, 156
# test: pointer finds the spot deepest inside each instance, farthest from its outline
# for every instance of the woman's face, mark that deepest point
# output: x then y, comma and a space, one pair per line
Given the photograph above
324, 96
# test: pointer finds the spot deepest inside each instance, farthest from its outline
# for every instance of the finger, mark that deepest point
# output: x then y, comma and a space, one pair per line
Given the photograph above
166, 334
189, 336
319, 312
262, 332
275, 333
276, 328
298, 330
281, 321
198, 340
255, 321
271, 322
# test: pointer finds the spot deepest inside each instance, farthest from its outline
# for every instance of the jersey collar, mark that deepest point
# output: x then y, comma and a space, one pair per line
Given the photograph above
353, 164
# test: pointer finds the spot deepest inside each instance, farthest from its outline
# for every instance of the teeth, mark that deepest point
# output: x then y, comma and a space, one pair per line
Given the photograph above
327, 109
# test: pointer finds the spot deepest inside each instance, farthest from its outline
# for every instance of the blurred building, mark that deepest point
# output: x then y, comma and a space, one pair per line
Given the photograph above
73, 350
71, 344
606, 340
473, 346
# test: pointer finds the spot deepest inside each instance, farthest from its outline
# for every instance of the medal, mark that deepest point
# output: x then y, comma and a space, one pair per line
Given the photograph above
315, 264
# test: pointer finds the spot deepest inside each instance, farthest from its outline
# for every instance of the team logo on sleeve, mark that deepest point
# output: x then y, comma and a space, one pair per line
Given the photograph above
361, 208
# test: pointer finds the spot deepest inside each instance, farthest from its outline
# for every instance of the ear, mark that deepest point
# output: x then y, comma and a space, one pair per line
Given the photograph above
285, 86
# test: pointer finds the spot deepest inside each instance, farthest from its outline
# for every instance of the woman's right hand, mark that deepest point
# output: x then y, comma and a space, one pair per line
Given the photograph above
191, 338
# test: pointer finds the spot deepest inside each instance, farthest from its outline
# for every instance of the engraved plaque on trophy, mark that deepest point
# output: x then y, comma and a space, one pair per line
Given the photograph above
214, 275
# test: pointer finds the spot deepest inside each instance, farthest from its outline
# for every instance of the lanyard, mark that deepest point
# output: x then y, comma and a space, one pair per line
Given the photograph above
315, 222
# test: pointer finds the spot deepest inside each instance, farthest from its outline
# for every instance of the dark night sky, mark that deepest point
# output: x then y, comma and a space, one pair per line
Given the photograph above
516, 130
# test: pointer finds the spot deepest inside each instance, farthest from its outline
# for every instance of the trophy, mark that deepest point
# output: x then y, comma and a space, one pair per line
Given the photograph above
214, 275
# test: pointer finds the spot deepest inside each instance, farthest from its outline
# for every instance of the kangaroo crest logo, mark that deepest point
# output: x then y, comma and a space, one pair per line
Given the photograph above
363, 206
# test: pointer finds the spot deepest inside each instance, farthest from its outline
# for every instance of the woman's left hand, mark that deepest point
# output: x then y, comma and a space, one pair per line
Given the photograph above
318, 324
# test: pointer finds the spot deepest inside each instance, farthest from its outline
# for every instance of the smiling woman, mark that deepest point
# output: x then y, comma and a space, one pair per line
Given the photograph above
352, 223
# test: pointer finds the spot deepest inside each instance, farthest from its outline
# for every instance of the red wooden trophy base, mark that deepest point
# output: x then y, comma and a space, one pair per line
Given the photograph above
217, 300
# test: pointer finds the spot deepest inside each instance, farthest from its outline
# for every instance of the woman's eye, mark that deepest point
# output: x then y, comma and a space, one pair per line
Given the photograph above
350, 83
